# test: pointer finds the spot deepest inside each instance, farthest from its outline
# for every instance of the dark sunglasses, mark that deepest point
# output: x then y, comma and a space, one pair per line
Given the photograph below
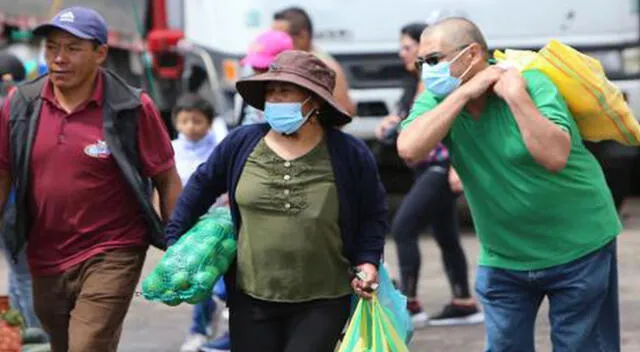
435, 58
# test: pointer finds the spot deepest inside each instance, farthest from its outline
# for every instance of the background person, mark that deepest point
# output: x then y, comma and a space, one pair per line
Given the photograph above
431, 201
297, 22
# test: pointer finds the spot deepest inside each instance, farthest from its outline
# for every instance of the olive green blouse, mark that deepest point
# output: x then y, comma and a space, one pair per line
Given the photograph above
290, 246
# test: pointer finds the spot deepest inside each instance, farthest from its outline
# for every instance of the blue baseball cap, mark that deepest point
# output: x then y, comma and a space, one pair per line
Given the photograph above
80, 22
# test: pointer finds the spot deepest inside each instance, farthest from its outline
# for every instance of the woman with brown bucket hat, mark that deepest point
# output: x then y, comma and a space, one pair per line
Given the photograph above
307, 205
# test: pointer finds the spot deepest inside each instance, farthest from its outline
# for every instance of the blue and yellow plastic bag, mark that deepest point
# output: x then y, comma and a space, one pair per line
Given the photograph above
372, 329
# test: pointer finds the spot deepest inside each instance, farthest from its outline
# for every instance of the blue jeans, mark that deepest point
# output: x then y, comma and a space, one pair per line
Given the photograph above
203, 311
583, 298
202, 317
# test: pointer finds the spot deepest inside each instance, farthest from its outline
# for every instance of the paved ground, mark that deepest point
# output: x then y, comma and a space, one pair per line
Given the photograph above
154, 327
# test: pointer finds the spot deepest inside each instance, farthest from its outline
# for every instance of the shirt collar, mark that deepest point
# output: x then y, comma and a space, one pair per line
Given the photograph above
96, 97
208, 140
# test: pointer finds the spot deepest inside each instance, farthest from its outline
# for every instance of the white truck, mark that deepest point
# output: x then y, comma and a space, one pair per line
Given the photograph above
363, 36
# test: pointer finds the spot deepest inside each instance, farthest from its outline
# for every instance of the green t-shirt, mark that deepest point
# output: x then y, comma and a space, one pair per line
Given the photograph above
526, 217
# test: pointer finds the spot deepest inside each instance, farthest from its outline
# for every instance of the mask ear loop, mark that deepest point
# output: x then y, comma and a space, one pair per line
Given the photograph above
465, 72
310, 113
468, 67
305, 119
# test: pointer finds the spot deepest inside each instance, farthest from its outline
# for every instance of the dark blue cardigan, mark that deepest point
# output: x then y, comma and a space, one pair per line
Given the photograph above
363, 206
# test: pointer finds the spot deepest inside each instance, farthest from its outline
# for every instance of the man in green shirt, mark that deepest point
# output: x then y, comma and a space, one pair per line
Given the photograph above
542, 210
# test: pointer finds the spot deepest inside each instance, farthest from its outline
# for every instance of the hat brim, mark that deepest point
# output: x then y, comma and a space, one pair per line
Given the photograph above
45, 29
253, 90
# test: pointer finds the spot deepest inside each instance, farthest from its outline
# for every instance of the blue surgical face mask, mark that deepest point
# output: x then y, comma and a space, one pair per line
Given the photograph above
438, 80
285, 118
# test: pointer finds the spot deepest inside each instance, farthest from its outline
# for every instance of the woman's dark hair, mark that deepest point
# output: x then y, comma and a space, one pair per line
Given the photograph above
414, 30
194, 102
324, 113
324, 117
10, 64
298, 19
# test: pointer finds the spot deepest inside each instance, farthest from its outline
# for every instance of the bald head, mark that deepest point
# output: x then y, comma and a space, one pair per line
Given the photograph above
455, 32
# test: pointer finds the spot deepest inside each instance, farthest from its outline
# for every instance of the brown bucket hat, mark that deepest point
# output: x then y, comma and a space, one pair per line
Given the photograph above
302, 69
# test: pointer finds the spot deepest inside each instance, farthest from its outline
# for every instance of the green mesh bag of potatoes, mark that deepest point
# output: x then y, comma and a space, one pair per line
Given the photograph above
190, 268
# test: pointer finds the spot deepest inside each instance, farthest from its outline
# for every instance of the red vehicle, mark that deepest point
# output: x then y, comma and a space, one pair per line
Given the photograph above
143, 39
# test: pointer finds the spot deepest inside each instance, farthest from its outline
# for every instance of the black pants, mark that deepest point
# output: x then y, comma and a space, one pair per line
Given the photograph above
315, 326
430, 201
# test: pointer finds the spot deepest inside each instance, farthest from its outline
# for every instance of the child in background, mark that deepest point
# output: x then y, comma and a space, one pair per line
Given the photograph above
198, 134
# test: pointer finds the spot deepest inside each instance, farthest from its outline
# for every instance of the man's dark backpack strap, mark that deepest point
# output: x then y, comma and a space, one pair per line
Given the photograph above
25, 113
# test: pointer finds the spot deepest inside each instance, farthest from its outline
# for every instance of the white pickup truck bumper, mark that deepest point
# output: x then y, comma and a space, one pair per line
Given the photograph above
364, 127
631, 89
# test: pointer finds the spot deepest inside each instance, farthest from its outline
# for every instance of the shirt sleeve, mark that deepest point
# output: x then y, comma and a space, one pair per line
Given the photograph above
5, 148
548, 100
373, 211
425, 103
154, 144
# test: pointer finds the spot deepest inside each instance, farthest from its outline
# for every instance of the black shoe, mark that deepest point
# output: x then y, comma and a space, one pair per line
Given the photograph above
455, 314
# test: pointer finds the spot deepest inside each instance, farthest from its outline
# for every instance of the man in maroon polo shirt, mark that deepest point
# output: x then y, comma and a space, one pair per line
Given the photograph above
87, 235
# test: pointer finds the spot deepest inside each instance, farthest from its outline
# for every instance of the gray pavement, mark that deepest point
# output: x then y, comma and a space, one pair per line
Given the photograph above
158, 328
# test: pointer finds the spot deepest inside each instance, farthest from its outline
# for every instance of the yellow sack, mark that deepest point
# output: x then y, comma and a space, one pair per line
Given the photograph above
597, 105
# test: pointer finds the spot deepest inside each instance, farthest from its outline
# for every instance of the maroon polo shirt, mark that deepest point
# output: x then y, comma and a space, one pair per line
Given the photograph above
79, 201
